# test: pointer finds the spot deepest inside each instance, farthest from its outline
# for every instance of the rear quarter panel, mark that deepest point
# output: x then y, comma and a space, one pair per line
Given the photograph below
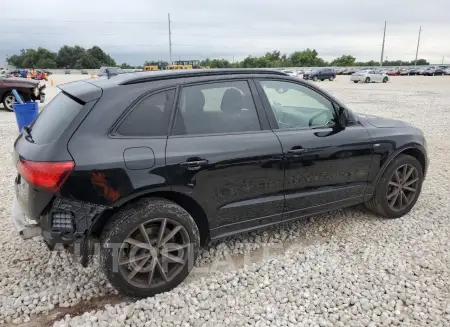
100, 175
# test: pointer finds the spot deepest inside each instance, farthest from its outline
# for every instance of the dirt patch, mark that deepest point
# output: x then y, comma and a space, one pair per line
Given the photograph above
78, 309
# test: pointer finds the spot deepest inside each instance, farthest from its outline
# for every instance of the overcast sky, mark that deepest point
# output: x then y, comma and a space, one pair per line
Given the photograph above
135, 30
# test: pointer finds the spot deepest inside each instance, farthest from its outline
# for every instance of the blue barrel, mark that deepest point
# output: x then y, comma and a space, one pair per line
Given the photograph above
25, 113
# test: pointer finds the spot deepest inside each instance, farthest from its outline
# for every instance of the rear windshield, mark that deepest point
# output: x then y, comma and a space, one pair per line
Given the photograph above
54, 119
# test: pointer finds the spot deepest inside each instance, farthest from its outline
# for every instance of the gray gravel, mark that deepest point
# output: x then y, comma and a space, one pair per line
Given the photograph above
345, 268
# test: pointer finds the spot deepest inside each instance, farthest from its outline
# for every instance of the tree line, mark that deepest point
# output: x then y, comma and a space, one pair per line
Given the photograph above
77, 57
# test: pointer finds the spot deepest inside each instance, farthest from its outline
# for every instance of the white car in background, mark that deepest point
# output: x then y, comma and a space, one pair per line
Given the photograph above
369, 76
290, 73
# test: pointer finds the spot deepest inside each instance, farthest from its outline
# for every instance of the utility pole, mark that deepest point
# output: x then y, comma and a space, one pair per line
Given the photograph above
418, 42
170, 42
382, 47
442, 60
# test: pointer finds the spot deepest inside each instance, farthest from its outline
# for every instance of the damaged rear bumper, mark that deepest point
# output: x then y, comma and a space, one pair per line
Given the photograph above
68, 222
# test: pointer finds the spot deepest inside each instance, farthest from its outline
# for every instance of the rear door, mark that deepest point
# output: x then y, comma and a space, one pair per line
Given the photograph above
223, 154
327, 164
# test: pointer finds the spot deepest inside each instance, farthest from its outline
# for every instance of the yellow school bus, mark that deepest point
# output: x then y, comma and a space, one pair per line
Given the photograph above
147, 68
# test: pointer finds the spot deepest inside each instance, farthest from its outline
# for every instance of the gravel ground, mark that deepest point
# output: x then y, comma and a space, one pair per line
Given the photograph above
344, 268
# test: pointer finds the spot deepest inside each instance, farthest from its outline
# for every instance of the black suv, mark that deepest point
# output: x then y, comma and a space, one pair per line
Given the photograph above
321, 74
154, 164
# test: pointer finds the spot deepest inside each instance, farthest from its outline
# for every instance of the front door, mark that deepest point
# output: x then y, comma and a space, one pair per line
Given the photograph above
219, 155
326, 165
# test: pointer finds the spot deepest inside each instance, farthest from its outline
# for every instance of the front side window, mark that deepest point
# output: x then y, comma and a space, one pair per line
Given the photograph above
150, 117
225, 107
297, 106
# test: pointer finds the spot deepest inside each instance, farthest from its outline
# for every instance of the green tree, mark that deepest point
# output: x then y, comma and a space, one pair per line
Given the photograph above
307, 58
343, 61
103, 58
46, 63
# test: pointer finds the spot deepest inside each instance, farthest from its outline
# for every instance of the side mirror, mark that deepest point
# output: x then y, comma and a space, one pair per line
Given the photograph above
343, 116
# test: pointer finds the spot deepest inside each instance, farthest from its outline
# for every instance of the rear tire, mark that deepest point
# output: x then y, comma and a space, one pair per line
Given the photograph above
149, 259
355, 81
331, 79
381, 201
315, 78
385, 80
367, 80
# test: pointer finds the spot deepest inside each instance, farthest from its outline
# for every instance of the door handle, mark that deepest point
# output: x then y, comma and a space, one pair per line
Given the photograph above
296, 152
194, 164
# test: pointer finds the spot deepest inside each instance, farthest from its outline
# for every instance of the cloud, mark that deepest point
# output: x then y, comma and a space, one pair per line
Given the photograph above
136, 30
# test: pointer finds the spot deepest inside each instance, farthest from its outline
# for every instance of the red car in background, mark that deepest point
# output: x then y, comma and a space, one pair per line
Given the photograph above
393, 72
40, 75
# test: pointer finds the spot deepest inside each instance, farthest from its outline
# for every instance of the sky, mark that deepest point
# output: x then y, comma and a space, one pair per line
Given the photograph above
133, 31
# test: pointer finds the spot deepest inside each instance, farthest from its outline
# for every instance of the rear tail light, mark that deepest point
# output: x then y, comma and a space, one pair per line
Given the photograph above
45, 175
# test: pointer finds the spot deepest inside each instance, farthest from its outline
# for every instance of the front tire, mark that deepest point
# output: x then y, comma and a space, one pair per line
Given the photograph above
149, 247
367, 80
355, 81
315, 78
8, 101
398, 189
331, 79
385, 80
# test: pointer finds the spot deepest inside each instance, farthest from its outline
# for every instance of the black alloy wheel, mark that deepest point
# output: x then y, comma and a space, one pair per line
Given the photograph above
154, 253
149, 247
402, 187
398, 188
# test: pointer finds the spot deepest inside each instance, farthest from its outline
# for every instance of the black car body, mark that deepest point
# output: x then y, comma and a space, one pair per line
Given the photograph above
320, 74
433, 71
229, 148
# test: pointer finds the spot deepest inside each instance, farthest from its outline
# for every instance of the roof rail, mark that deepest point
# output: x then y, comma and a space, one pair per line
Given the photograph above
169, 74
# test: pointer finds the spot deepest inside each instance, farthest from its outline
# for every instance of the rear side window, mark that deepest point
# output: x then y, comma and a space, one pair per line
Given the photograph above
150, 117
54, 119
223, 107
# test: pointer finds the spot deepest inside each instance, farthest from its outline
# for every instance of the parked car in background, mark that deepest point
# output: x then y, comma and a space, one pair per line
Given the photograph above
432, 71
393, 72
369, 76
339, 71
115, 161
404, 71
351, 71
40, 76
447, 71
112, 71
67, 71
414, 71
29, 90
84, 72
321, 74
290, 73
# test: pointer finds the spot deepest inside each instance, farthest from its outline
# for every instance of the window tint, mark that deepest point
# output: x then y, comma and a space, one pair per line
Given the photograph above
225, 107
150, 117
54, 119
297, 106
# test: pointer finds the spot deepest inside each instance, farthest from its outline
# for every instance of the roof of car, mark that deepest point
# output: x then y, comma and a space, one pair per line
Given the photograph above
149, 76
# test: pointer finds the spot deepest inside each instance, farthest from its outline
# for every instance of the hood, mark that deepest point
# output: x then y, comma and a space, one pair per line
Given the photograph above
18, 82
381, 122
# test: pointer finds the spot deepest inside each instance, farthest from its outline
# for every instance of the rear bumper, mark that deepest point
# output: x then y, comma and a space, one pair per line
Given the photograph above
67, 222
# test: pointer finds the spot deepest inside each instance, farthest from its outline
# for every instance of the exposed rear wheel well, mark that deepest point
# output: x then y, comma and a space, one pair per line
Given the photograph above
187, 203
416, 153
